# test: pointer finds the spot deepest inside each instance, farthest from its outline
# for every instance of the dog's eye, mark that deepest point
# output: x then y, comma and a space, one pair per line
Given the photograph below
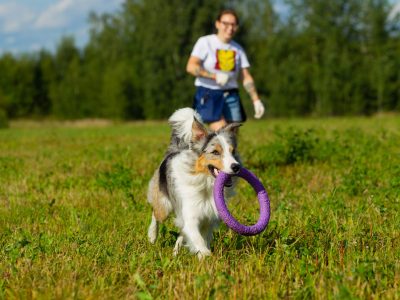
215, 152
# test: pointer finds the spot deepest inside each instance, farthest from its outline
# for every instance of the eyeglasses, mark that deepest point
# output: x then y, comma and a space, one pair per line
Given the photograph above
228, 24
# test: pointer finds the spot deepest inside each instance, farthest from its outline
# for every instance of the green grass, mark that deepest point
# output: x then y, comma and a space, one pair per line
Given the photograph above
74, 217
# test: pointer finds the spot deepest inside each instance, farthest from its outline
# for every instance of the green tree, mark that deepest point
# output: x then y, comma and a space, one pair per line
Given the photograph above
160, 42
44, 73
17, 85
380, 56
65, 90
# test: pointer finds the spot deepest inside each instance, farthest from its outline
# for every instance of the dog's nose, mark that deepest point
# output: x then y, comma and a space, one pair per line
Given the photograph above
235, 168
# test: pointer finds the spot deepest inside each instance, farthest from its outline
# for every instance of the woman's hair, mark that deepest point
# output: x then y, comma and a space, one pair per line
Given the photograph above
228, 11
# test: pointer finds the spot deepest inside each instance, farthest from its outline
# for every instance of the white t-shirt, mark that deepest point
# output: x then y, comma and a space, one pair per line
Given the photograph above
216, 57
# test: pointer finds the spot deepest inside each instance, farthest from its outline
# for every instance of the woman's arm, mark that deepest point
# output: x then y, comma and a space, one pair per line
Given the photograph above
250, 87
194, 67
248, 84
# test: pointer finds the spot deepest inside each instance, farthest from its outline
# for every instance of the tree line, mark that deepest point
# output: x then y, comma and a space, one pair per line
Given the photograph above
318, 58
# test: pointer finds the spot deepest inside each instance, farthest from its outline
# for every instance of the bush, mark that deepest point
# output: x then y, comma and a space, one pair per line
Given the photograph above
290, 146
3, 119
300, 145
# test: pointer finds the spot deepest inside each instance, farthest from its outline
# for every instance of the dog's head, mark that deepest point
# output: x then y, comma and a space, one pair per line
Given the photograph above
216, 150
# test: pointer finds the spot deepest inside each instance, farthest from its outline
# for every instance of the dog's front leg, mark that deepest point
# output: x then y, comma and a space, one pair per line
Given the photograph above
195, 240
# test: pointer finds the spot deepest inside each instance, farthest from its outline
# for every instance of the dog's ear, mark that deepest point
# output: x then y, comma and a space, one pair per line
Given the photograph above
232, 127
198, 130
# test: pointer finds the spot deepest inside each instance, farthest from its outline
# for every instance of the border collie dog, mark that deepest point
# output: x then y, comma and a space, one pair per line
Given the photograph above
183, 183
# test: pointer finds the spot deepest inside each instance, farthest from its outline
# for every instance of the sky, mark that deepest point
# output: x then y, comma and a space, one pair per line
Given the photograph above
30, 25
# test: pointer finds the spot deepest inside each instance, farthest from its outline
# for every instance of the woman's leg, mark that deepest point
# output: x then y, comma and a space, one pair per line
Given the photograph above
232, 110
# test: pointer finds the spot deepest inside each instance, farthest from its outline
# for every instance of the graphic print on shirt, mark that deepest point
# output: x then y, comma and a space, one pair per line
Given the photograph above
225, 60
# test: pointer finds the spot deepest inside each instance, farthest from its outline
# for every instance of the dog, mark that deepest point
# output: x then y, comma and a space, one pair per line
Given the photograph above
183, 183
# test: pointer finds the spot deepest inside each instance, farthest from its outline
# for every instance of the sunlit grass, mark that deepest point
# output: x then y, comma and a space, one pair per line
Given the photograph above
73, 214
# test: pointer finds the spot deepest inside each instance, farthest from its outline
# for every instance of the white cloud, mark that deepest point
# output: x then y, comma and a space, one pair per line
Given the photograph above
55, 15
395, 10
64, 12
14, 17
35, 47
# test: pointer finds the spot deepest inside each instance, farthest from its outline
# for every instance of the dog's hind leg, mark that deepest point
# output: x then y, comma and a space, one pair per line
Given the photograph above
153, 229
178, 245
161, 207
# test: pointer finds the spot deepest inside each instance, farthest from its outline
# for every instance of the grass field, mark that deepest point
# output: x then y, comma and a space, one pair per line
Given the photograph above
74, 217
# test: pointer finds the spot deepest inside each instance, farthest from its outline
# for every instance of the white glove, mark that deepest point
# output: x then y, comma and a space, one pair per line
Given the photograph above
258, 109
221, 78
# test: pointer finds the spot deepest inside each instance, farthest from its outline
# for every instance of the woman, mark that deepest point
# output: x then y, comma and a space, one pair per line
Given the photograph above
218, 62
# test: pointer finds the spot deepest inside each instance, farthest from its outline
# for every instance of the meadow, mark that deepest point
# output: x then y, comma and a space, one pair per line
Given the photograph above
74, 217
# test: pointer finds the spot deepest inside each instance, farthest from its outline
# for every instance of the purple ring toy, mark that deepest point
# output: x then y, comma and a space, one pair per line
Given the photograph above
223, 209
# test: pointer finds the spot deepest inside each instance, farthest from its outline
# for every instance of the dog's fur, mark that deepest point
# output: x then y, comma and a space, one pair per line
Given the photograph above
184, 181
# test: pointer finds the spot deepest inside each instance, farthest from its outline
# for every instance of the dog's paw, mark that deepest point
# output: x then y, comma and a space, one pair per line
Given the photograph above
178, 245
152, 235
203, 254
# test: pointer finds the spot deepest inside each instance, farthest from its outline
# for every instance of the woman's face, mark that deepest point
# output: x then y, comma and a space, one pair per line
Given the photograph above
226, 27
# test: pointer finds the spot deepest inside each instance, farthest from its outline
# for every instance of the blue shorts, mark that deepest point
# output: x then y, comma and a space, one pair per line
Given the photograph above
212, 105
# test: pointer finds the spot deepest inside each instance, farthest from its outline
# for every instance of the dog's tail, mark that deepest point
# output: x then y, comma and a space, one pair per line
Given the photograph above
181, 122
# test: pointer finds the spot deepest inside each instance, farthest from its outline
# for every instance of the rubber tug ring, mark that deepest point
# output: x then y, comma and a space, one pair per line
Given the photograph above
224, 213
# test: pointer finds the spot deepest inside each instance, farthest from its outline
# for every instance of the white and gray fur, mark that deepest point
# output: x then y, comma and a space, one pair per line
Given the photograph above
184, 181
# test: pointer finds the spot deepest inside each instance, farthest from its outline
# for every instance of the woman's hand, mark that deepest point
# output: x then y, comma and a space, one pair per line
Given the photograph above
222, 78
258, 109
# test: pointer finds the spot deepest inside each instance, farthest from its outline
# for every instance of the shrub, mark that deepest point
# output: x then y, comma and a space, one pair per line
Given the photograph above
300, 145
3, 119
290, 146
